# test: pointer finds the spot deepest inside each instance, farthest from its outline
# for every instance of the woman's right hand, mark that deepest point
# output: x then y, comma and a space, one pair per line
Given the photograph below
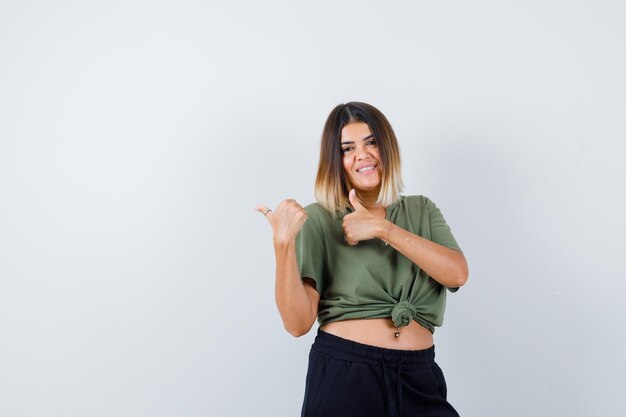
286, 221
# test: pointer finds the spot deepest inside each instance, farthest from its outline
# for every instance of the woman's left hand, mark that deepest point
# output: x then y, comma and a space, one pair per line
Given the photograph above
360, 224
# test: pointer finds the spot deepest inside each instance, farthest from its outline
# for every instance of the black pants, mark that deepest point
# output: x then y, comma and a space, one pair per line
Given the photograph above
350, 379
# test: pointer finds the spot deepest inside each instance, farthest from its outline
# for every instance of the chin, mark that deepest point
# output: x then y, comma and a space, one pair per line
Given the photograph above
366, 187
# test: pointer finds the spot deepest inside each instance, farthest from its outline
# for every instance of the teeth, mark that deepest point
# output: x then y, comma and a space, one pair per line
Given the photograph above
365, 169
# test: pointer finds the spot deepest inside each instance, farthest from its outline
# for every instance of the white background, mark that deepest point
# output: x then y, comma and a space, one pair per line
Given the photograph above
137, 136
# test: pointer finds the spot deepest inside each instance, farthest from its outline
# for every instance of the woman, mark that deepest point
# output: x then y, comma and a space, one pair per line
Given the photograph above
373, 267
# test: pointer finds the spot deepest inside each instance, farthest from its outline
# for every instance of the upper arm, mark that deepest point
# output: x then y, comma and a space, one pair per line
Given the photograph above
310, 251
314, 296
440, 232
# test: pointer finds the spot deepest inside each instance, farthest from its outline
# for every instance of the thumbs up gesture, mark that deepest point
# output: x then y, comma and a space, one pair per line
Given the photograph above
361, 224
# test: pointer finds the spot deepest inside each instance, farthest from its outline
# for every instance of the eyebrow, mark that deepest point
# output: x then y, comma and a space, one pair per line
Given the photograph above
365, 138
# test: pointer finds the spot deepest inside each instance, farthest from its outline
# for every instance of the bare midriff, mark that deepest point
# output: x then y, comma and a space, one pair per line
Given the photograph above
382, 333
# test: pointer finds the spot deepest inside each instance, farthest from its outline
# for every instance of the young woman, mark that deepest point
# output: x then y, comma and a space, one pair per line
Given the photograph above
373, 267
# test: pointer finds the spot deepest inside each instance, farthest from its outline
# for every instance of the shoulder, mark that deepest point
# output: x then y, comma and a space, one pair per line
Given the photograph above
318, 221
317, 213
418, 205
315, 209
417, 200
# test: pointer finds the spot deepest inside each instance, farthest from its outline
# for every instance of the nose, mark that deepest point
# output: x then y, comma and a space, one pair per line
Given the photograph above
361, 153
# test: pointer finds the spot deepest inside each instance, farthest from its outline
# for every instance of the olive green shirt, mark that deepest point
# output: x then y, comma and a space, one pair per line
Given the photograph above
371, 279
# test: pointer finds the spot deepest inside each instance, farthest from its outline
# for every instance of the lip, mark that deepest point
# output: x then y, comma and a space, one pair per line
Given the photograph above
374, 166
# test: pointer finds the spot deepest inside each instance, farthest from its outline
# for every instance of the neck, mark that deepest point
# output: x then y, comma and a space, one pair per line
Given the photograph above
368, 198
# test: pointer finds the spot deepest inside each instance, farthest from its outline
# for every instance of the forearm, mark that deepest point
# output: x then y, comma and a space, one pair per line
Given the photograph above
446, 266
292, 300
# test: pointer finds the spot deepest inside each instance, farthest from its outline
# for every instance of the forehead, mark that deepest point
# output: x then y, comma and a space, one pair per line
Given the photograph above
355, 131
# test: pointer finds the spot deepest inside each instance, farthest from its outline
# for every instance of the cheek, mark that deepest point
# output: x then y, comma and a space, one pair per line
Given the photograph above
346, 166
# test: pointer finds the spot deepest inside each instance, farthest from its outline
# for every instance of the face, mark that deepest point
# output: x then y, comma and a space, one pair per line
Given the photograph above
361, 160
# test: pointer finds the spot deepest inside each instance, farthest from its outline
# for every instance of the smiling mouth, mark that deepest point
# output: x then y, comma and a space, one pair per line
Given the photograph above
366, 169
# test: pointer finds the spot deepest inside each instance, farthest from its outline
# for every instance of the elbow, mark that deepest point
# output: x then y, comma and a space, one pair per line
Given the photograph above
461, 281
454, 277
462, 275
297, 331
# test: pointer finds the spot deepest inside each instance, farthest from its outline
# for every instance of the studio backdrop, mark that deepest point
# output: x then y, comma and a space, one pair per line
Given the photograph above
136, 138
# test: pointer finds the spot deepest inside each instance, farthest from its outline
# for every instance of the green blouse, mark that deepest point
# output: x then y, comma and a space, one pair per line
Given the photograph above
371, 279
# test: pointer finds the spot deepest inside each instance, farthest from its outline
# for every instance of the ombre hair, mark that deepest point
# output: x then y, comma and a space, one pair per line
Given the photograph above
331, 184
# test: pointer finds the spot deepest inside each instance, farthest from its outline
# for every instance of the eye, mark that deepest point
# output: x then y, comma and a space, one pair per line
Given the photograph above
346, 149
371, 142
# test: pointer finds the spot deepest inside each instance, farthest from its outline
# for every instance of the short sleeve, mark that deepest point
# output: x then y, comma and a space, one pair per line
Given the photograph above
440, 231
310, 252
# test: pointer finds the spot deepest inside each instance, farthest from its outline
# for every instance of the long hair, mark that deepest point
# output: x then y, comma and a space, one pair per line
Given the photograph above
331, 184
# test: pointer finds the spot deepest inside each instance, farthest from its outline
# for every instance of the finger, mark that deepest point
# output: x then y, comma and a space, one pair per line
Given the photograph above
266, 211
355, 202
350, 241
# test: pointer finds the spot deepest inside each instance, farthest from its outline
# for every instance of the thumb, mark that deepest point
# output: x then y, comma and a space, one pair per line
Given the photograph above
355, 202
265, 211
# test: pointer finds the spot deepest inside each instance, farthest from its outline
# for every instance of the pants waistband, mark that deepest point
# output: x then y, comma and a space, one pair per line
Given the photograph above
354, 351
